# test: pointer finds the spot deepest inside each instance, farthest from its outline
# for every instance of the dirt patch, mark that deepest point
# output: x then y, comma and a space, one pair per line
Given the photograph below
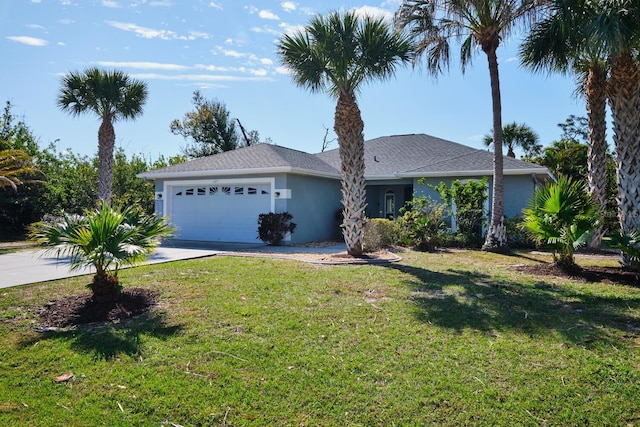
593, 274
82, 309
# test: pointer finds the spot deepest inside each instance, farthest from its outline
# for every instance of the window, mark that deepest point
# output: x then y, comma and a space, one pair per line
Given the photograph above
213, 190
202, 191
252, 190
389, 204
226, 190
189, 192
239, 191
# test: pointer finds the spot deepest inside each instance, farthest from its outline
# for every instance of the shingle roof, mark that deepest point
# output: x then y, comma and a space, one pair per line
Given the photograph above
256, 158
417, 155
388, 157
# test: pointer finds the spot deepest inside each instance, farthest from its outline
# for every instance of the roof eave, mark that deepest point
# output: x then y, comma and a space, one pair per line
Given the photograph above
527, 171
236, 172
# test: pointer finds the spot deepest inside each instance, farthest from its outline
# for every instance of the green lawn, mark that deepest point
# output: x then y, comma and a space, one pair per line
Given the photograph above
438, 339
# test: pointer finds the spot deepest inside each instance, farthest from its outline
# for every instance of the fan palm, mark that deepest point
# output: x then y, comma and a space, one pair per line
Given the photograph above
112, 96
13, 164
337, 53
562, 42
484, 23
517, 135
561, 216
106, 239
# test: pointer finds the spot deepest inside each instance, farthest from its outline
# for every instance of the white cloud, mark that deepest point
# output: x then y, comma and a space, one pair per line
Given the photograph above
147, 33
193, 35
267, 14
36, 27
266, 61
110, 3
198, 77
290, 29
374, 12
161, 3
66, 21
36, 1
266, 30
289, 6
30, 41
283, 70
215, 5
144, 65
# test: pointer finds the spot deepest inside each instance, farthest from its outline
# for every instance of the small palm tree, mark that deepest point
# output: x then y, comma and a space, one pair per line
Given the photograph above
561, 216
434, 24
112, 96
518, 135
337, 53
14, 164
106, 239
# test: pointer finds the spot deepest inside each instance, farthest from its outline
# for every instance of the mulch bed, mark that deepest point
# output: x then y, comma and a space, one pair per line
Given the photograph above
82, 309
593, 274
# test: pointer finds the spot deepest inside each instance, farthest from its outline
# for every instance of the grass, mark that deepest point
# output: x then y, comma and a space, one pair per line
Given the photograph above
438, 339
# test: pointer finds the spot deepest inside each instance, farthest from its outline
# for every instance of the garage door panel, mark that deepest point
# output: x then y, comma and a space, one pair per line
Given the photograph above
224, 213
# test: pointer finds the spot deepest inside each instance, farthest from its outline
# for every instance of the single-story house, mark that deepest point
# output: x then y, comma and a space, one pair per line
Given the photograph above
219, 197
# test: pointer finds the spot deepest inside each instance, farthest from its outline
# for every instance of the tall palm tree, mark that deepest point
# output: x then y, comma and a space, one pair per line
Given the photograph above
337, 53
561, 42
112, 96
483, 23
517, 135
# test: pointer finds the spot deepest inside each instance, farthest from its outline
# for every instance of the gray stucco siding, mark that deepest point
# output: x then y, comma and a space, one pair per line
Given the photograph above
518, 190
314, 202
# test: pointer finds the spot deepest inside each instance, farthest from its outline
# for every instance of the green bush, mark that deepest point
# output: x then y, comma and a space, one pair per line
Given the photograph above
422, 224
629, 245
517, 237
380, 233
272, 227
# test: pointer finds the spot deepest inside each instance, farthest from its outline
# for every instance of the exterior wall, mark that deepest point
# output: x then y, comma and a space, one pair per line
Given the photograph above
314, 202
518, 189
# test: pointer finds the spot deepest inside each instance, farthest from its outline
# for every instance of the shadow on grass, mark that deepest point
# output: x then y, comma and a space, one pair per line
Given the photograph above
110, 340
459, 300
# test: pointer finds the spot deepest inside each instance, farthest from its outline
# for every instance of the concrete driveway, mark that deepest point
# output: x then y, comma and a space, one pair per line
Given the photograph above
31, 266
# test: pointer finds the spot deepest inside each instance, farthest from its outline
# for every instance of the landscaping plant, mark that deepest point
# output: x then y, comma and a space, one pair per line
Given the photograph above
561, 216
380, 233
273, 227
105, 238
422, 223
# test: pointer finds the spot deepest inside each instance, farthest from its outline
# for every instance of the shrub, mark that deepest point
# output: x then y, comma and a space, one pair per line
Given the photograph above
465, 202
561, 216
272, 227
629, 244
380, 233
517, 237
422, 224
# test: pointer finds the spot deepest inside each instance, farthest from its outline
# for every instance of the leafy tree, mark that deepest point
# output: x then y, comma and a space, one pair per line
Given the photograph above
561, 216
112, 96
128, 189
518, 135
16, 136
210, 127
106, 239
337, 53
482, 23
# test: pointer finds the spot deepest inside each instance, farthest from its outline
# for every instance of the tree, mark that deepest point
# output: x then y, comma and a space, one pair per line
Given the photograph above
337, 53
13, 164
210, 127
104, 238
518, 135
112, 96
563, 42
483, 23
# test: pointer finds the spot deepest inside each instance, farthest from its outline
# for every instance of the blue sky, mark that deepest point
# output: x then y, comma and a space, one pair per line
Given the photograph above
226, 49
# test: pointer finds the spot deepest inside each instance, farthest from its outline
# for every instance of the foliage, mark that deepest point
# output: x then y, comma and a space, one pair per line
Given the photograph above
105, 238
380, 233
561, 216
273, 227
629, 244
337, 53
13, 165
518, 135
422, 223
465, 202
110, 95
517, 236
128, 189
210, 127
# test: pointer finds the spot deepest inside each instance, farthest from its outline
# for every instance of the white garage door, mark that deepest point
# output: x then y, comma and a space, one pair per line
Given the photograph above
219, 213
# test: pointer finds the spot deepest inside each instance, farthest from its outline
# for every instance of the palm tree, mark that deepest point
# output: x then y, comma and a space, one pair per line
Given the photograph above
14, 164
106, 239
484, 23
337, 53
555, 44
518, 135
112, 96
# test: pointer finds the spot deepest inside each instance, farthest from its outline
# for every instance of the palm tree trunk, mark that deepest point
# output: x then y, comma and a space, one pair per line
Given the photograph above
349, 128
106, 144
596, 94
624, 99
496, 235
